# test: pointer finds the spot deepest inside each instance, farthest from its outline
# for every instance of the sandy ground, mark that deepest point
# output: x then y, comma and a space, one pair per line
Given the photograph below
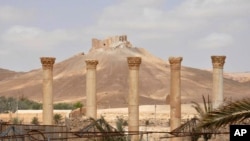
157, 115
186, 109
148, 111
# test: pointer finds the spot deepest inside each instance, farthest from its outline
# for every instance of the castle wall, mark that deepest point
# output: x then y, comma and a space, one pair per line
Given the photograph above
95, 43
108, 42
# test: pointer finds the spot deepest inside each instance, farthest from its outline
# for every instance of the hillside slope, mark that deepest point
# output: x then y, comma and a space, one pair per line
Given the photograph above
112, 80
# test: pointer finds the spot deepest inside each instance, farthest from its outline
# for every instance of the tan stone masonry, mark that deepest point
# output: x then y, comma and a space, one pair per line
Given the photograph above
91, 108
175, 94
133, 102
217, 94
47, 63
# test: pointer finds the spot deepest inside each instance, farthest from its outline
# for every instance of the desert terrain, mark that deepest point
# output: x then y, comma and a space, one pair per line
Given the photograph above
112, 80
69, 85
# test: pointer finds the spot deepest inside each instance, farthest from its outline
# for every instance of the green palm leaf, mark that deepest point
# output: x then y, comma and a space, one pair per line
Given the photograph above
232, 112
202, 111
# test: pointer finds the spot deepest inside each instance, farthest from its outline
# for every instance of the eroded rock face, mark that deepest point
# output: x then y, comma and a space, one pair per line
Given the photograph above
111, 42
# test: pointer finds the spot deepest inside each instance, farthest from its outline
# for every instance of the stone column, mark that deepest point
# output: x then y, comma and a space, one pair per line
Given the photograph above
47, 63
175, 94
217, 94
91, 107
133, 97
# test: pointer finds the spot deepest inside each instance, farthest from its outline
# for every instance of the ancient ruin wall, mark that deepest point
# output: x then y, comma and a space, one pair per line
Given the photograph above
111, 42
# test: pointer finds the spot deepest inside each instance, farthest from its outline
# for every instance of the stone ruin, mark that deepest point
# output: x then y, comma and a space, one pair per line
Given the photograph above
111, 42
133, 106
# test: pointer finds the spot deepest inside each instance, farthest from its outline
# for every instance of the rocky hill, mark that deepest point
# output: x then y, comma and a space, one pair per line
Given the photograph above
112, 80
8, 74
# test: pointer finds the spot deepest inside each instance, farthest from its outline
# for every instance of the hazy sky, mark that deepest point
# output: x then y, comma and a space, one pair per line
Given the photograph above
193, 29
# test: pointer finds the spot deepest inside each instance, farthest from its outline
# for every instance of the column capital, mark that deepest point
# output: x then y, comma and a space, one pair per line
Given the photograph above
91, 64
175, 62
134, 62
47, 62
218, 61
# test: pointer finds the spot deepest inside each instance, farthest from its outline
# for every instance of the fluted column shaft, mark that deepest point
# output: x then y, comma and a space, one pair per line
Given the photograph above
175, 94
47, 64
133, 103
217, 94
91, 106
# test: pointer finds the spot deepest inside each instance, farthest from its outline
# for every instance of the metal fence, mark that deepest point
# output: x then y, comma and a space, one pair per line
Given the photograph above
21, 132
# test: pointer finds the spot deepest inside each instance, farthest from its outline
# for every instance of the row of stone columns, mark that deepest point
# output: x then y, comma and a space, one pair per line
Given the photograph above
133, 107
175, 88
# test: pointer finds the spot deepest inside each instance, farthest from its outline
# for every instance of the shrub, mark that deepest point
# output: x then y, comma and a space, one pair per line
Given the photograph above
77, 105
57, 118
61, 106
16, 120
35, 121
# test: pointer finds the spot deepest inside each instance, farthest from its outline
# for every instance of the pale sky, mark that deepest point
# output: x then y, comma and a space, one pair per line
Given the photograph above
193, 29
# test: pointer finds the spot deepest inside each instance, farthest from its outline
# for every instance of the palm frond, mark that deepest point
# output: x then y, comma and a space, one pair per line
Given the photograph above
210, 105
202, 111
198, 108
230, 113
205, 103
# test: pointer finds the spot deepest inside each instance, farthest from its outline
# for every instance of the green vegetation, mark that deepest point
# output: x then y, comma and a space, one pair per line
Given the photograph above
70, 106
120, 123
63, 106
103, 126
7, 104
26, 104
10, 104
233, 112
207, 108
230, 113
16, 120
77, 105
35, 121
57, 118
